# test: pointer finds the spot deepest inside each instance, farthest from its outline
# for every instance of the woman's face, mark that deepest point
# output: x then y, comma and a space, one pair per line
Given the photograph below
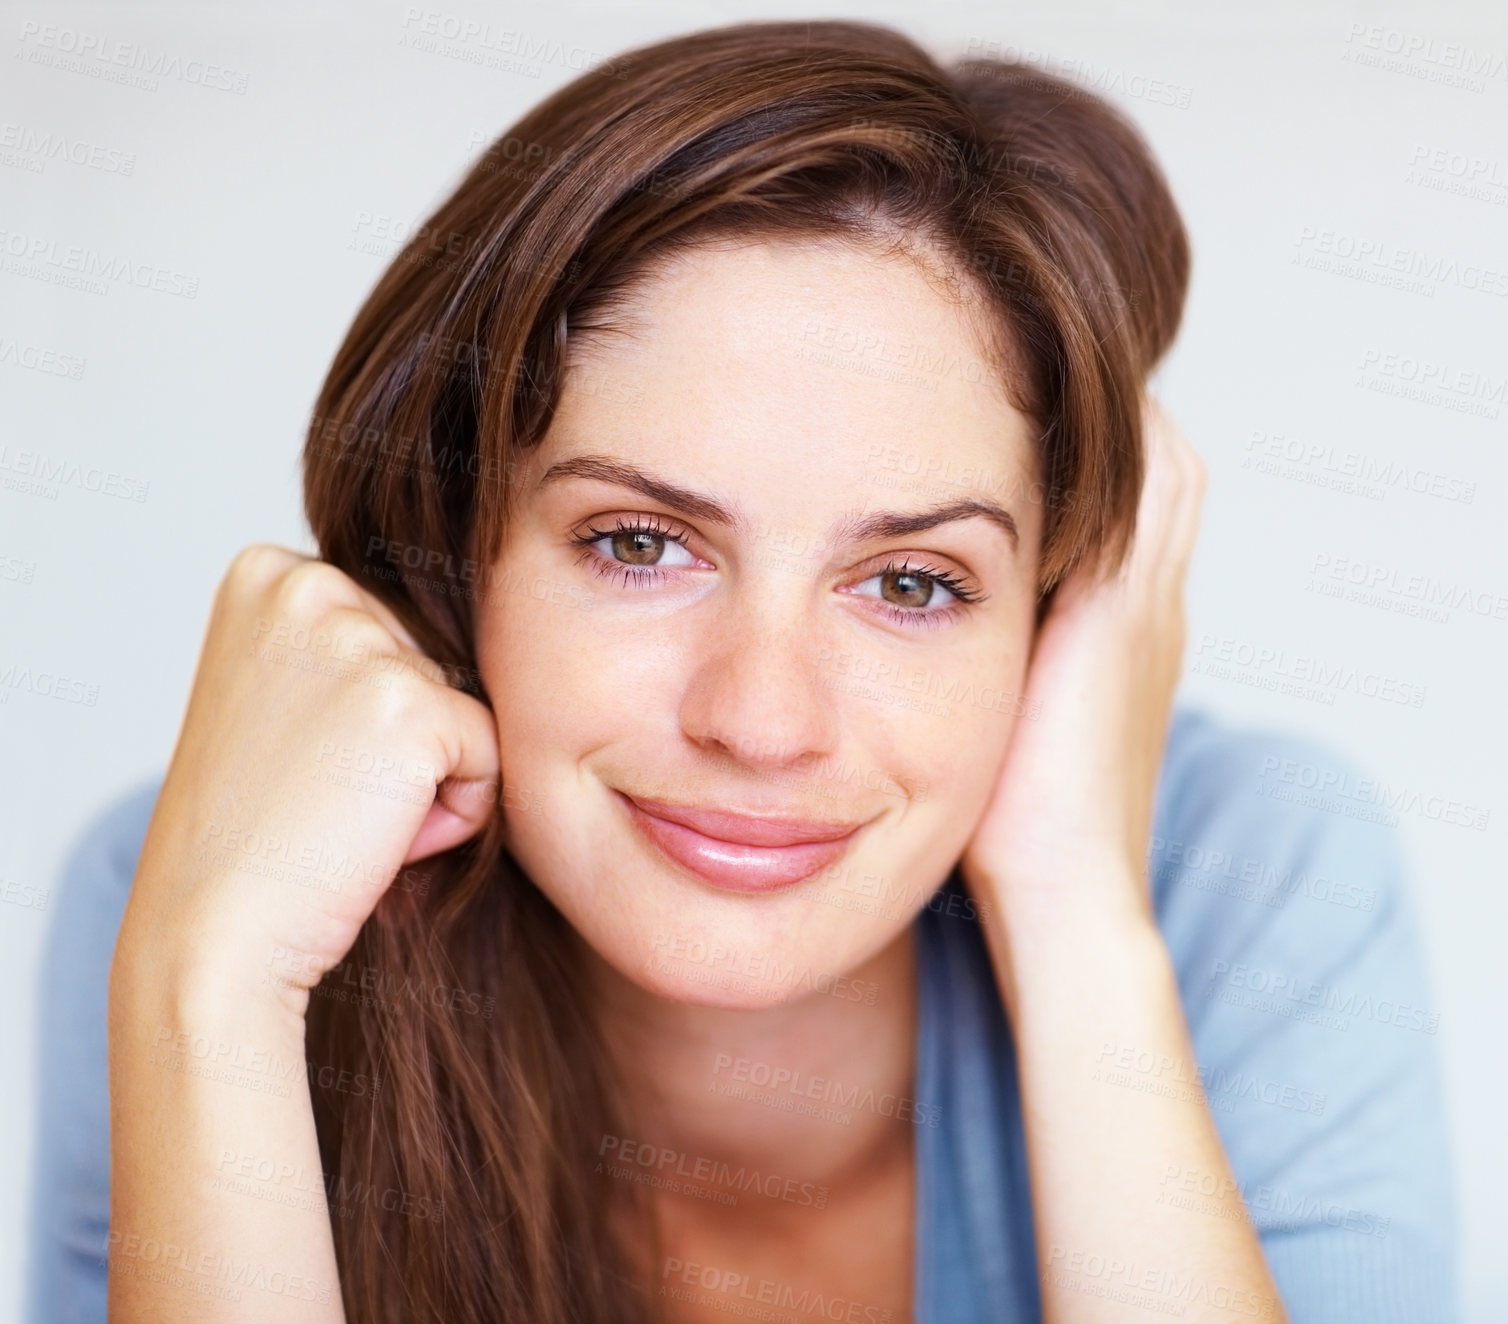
762, 565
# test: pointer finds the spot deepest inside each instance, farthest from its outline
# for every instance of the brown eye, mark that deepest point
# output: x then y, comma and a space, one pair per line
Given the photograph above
907, 593
641, 546
906, 588
638, 546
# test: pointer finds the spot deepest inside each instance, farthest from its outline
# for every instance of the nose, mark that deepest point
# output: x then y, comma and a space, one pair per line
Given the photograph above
757, 693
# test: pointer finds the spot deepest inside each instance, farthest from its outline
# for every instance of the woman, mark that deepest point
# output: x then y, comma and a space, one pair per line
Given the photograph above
711, 834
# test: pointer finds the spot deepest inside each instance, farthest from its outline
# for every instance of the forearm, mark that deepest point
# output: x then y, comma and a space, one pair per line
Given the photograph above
1115, 1121
208, 1089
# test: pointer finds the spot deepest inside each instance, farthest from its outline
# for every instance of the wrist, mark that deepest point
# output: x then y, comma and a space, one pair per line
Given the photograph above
1082, 899
1076, 944
191, 979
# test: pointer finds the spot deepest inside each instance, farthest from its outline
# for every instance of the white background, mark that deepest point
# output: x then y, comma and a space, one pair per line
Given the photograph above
342, 130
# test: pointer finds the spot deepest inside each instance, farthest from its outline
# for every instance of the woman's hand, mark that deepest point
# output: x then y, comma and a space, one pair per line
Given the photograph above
1069, 823
1061, 854
320, 751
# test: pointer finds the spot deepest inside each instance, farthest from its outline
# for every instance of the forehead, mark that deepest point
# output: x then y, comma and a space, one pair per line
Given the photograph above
855, 364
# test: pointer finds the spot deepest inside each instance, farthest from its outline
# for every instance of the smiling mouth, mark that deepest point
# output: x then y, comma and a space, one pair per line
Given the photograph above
768, 853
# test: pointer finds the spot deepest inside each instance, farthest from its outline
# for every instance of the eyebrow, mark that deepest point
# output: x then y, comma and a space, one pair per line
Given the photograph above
881, 524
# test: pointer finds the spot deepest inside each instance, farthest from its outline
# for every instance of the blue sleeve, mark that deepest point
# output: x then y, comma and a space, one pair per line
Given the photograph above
70, 1196
1282, 893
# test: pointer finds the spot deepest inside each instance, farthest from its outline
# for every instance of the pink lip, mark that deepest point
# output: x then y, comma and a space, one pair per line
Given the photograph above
736, 851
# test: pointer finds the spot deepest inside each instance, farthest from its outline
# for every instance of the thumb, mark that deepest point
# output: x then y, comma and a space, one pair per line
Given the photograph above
460, 810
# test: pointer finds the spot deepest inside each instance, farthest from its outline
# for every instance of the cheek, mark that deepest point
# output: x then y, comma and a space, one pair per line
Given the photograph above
537, 658
941, 725
946, 753
575, 686
547, 671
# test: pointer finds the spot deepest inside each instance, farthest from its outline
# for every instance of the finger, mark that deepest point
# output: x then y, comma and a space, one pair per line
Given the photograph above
1159, 494
1189, 507
443, 829
1175, 488
468, 737
469, 790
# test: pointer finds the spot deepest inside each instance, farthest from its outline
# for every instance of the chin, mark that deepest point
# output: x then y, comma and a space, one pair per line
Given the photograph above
685, 944
706, 984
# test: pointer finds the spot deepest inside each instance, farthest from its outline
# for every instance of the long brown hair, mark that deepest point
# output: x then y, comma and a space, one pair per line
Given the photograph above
475, 1159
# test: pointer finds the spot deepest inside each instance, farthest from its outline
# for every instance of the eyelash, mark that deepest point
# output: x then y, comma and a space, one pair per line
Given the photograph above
642, 576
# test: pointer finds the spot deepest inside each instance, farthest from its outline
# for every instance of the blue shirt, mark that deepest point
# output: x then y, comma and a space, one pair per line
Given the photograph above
1286, 910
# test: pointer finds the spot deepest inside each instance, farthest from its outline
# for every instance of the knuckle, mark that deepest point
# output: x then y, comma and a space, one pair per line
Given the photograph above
361, 632
403, 707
